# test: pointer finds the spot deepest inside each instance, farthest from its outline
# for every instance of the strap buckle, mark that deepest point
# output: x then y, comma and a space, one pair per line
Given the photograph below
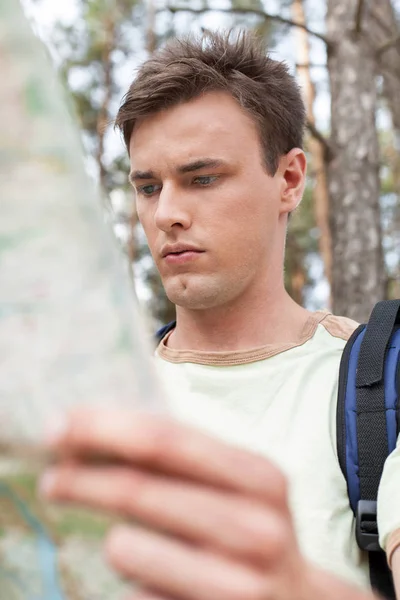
366, 526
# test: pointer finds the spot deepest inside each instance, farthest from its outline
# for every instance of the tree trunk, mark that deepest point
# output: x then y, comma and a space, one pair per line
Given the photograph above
104, 112
385, 31
358, 274
385, 34
317, 151
151, 38
295, 272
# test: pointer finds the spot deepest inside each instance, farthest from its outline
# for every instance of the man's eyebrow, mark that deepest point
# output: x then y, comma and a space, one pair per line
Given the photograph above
140, 175
191, 167
197, 165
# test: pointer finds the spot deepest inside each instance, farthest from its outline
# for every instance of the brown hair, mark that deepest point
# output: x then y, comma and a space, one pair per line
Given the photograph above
186, 68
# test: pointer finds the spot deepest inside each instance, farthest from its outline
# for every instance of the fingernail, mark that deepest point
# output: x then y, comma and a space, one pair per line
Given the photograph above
56, 430
47, 483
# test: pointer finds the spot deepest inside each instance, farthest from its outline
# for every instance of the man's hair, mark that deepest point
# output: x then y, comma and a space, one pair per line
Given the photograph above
186, 68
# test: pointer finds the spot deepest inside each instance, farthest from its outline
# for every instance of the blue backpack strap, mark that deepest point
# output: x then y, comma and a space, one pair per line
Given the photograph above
162, 332
346, 432
367, 424
376, 403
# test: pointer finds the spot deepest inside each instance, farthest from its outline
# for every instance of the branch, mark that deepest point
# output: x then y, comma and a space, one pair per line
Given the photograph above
359, 14
388, 44
328, 154
253, 11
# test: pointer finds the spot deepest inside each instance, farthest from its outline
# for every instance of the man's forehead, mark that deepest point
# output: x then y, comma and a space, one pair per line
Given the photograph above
183, 153
203, 123
182, 137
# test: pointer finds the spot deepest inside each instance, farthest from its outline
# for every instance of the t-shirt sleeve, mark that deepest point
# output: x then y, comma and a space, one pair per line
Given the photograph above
389, 503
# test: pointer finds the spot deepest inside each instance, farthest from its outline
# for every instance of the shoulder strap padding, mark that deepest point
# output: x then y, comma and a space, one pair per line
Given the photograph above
372, 405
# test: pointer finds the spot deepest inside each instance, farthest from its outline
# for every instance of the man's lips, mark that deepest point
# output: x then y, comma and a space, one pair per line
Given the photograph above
180, 253
178, 248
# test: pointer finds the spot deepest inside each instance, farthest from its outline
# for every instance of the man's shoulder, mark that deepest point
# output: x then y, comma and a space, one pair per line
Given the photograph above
338, 327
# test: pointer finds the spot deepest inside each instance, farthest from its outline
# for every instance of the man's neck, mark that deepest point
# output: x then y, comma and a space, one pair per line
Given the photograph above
241, 326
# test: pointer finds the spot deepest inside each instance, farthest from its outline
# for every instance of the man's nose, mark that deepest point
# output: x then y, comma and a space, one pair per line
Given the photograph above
172, 208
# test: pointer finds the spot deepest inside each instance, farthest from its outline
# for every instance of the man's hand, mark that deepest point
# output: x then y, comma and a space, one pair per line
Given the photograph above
214, 519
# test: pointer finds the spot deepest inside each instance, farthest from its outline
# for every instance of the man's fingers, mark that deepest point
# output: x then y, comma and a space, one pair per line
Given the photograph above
180, 570
237, 526
167, 446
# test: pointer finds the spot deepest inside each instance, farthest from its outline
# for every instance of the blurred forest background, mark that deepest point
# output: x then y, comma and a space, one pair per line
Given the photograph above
343, 244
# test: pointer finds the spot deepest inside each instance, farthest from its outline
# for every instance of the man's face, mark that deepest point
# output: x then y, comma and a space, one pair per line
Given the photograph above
212, 214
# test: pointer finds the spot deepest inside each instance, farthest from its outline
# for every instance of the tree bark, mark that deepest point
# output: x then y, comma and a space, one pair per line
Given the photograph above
358, 274
151, 38
104, 112
316, 148
295, 272
385, 30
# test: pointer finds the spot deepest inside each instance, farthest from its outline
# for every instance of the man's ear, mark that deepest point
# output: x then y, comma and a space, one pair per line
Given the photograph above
293, 169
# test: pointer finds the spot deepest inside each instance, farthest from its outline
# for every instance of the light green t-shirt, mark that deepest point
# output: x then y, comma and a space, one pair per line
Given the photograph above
280, 401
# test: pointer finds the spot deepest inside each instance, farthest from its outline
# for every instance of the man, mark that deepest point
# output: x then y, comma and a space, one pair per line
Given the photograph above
214, 132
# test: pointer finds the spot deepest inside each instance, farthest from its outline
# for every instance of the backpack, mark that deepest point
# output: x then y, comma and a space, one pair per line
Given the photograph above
368, 423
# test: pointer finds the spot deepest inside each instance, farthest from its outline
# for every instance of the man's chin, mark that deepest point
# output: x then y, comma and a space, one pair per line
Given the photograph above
192, 295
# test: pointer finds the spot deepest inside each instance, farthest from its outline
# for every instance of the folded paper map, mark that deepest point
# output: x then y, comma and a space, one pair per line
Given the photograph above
70, 330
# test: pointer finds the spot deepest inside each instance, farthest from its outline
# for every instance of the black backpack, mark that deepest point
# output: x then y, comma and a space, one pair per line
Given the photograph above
367, 424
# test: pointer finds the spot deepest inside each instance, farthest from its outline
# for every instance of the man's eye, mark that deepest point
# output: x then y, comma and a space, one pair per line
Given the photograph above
205, 180
149, 189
